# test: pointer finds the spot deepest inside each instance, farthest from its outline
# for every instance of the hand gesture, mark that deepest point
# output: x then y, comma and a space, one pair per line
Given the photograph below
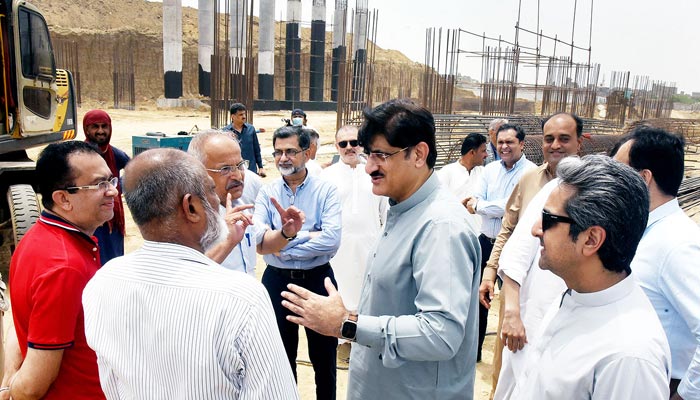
236, 220
292, 218
323, 314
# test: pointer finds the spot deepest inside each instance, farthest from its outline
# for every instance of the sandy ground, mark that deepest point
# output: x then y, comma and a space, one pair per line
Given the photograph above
132, 123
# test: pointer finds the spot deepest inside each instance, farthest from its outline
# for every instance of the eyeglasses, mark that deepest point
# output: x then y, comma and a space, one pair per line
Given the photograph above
228, 169
380, 157
549, 220
103, 186
290, 153
344, 143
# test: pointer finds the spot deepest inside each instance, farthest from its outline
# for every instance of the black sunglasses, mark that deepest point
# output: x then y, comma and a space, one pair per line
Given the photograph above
344, 143
549, 220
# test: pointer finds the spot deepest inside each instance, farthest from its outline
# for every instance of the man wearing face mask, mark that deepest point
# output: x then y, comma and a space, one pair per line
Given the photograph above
97, 126
305, 260
299, 119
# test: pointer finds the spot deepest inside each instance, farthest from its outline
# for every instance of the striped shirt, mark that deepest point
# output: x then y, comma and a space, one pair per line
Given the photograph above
166, 322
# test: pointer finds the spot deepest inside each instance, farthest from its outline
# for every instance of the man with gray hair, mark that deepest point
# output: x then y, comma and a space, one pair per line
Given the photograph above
220, 154
601, 338
166, 321
492, 147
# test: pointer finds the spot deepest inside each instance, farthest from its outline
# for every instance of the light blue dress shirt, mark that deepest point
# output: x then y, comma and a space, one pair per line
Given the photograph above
494, 189
667, 267
417, 326
319, 201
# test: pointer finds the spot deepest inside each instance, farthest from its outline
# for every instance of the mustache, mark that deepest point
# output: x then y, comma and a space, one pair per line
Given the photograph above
234, 183
376, 174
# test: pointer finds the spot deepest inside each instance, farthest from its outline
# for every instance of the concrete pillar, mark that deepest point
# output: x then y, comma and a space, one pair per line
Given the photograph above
339, 48
292, 58
206, 44
172, 48
318, 50
359, 49
266, 50
238, 10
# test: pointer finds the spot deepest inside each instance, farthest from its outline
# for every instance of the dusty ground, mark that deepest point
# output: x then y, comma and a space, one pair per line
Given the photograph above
129, 123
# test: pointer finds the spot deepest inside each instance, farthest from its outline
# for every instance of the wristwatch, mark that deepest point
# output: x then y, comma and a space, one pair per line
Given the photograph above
289, 238
348, 330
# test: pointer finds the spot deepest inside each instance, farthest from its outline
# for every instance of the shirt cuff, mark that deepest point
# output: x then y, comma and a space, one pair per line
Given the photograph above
687, 390
369, 331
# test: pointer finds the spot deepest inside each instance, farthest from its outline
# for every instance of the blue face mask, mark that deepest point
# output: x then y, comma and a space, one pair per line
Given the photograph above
297, 121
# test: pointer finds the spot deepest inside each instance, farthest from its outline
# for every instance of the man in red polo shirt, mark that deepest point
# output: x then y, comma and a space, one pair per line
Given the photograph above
49, 357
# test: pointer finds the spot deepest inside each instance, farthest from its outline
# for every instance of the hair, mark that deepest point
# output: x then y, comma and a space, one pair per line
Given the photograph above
160, 186
199, 141
660, 152
519, 131
496, 123
403, 123
611, 195
53, 169
236, 107
472, 142
288, 131
346, 128
313, 135
576, 118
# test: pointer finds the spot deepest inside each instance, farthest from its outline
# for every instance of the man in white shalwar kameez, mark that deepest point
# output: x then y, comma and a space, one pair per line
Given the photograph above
462, 176
363, 215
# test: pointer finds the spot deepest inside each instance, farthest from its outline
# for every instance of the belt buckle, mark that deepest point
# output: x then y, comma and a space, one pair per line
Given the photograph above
297, 274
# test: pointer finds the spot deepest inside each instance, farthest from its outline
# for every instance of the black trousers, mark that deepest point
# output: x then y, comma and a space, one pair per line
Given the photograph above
486, 246
322, 349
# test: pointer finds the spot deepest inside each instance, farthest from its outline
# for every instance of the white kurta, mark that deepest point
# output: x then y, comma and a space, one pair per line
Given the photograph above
602, 345
463, 184
538, 288
363, 217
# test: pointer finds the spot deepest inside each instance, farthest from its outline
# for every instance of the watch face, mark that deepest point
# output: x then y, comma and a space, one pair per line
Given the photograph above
349, 330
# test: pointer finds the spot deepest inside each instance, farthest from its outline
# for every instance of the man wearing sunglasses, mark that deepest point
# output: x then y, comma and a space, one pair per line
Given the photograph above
415, 327
600, 338
562, 136
666, 263
305, 259
364, 214
221, 155
48, 356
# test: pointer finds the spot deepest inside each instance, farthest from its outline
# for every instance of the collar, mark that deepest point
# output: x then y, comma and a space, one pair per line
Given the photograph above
54, 220
663, 211
605, 296
516, 165
428, 187
174, 250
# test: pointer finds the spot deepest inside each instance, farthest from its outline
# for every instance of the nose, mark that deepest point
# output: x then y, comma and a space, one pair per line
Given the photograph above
537, 228
111, 191
370, 165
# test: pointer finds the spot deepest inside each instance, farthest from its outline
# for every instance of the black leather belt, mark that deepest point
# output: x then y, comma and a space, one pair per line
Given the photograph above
298, 274
488, 239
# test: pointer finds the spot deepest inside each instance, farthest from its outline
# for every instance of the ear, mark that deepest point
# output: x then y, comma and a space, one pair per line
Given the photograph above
421, 150
580, 144
647, 176
192, 208
592, 239
61, 200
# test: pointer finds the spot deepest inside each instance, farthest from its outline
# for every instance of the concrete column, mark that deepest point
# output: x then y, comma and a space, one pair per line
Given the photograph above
292, 59
266, 51
206, 44
318, 50
238, 10
359, 49
339, 48
172, 48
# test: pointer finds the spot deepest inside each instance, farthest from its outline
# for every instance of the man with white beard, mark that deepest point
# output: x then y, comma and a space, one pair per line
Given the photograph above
166, 321
305, 260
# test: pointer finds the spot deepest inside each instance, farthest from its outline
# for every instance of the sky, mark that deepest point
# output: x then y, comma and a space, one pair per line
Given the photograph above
646, 37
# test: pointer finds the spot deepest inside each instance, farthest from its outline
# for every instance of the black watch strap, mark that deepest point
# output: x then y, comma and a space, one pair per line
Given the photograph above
289, 238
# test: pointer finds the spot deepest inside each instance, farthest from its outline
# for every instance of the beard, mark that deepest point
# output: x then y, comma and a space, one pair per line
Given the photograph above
286, 171
216, 229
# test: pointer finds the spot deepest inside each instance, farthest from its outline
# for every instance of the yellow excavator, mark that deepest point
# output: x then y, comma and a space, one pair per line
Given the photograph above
37, 107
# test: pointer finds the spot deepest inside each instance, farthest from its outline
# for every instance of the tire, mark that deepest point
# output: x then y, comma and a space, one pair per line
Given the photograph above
24, 210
